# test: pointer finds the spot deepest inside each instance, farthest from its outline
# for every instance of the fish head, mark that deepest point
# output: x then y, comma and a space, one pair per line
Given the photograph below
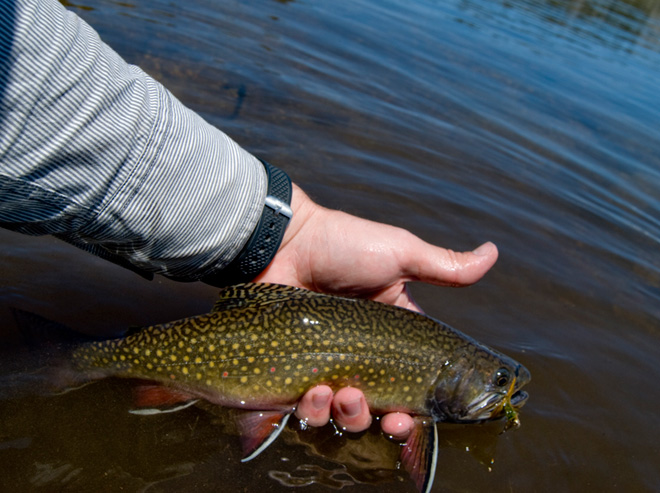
479, 384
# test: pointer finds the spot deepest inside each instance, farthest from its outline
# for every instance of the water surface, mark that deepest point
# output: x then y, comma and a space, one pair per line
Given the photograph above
533, 124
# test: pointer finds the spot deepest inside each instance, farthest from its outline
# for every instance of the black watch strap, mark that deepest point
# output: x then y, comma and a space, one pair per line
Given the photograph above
262, 246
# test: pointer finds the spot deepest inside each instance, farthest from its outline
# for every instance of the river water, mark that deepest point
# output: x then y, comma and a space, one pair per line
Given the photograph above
534, 124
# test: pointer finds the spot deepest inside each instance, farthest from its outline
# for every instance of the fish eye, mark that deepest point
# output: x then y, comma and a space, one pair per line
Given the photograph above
502, 377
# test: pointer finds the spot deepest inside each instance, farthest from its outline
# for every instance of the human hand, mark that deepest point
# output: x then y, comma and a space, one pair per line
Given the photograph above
332, 252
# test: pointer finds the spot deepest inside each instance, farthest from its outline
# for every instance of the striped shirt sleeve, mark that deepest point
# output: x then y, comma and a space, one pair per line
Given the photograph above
99, 154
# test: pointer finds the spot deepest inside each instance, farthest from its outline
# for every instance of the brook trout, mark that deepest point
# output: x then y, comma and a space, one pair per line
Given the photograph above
262, 346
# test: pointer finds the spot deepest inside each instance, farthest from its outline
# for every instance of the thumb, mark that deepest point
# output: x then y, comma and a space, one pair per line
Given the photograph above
443, 267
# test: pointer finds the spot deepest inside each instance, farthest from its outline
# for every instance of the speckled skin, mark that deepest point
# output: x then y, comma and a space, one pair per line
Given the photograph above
263, 346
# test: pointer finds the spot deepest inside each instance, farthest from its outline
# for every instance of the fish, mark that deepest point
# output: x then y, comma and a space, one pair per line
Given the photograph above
263, 346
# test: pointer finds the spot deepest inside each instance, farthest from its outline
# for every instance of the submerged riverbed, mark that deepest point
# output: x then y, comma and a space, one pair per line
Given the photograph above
534, 124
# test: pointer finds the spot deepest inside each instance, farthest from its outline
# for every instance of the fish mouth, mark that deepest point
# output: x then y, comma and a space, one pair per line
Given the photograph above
494, 405
519, 398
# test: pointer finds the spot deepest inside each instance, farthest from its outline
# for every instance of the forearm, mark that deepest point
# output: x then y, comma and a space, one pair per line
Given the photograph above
96, 152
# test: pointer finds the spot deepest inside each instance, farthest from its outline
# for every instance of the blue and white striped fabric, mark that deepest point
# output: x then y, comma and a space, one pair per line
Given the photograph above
96, 152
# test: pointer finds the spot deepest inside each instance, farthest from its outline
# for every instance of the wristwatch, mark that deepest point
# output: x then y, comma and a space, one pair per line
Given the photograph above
266, 239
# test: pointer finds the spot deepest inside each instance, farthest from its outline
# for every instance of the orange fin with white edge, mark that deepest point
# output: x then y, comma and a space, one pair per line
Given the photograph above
259, 429
419, 455
153, 398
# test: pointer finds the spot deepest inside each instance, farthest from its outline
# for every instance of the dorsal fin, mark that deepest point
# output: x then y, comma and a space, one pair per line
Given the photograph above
258, 294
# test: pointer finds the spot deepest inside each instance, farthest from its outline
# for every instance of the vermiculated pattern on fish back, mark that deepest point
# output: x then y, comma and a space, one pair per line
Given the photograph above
256, 350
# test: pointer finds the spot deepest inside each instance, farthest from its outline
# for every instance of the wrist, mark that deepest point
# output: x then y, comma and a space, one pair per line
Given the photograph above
267, 236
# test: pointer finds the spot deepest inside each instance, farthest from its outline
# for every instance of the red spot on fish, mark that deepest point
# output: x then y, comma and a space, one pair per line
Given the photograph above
314, 370
392, 379
225, 374
272, 369
357, 377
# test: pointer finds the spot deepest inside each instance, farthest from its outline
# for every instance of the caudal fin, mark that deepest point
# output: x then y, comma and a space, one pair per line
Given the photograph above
41, 365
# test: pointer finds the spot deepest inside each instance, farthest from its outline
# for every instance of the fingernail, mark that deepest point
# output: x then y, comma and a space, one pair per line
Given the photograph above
483, 249
319, 401
351, 409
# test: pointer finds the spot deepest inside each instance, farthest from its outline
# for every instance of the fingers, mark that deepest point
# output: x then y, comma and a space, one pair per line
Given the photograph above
314, 407
397, 425
350, 410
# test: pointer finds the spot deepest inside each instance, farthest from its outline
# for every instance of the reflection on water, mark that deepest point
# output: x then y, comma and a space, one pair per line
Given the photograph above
531, 123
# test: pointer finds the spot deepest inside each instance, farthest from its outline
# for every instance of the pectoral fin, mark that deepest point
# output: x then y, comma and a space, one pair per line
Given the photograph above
259, 429
419, 455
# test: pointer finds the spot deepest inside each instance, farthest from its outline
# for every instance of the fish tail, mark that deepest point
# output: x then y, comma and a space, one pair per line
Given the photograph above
43, 364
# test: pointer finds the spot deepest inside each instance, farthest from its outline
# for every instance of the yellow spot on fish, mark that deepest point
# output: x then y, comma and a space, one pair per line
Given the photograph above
184, 370
287, 381
159, 353
198, 360
211, 347
250, 359
244, 379
198, 376
274, 343
173, 357
257, 371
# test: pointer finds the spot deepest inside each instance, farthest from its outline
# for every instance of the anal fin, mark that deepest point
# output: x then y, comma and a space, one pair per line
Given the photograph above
259, 429
419, 455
